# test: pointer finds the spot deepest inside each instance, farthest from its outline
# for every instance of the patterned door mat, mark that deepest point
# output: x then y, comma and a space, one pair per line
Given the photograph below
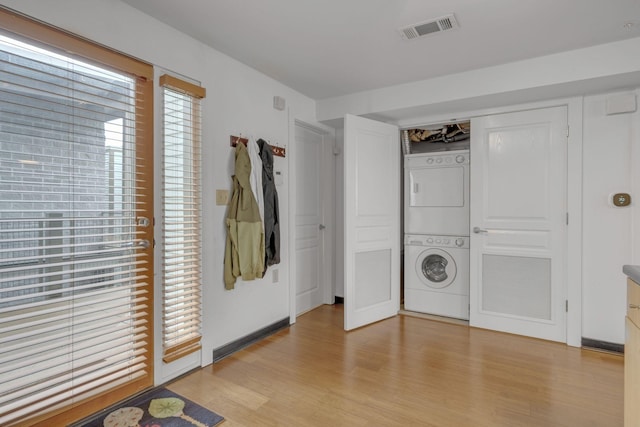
156, 408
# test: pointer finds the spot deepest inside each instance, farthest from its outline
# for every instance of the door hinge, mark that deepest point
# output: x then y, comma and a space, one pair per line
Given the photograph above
566, 306
567, 218
567, 131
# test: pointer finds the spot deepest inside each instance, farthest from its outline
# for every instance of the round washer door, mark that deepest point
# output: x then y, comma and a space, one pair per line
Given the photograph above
436, 268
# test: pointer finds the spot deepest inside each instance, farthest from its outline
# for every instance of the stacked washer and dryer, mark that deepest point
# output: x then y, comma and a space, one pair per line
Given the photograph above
436, 230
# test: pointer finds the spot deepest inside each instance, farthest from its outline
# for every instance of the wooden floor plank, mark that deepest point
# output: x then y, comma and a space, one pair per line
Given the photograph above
408, 371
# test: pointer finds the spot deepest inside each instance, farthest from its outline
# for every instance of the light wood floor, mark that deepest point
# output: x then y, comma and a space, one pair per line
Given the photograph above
408, 371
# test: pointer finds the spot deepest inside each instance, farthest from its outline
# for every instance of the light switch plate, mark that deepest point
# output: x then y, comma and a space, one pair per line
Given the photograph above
277, 178
222, 197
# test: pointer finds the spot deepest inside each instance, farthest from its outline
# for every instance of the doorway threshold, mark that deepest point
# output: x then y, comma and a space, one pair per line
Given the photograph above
443, 319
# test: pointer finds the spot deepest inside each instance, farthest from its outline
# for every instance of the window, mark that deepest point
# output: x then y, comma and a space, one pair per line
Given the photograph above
181, 254
75, 208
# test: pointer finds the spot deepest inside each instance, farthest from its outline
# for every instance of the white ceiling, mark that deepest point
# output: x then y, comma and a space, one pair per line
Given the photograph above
327, 48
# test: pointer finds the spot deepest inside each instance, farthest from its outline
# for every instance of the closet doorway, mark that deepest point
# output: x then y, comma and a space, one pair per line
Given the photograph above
312, 206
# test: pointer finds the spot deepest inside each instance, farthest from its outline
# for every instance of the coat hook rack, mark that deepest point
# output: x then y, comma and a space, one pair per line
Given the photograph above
277, 151
236, 139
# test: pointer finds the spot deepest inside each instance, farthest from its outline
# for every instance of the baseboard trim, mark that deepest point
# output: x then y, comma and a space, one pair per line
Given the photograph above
603, 345
228, 349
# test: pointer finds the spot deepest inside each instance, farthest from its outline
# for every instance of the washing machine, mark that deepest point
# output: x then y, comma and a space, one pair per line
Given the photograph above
436, 275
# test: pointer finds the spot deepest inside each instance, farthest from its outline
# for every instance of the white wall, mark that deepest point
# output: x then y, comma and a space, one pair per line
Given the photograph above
239, 100
611, 145
589, 70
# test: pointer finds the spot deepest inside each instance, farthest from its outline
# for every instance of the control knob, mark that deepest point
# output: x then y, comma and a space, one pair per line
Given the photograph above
459, 242
459, 158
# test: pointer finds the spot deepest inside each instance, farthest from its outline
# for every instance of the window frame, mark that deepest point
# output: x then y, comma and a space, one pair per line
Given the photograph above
174, 348
82, 49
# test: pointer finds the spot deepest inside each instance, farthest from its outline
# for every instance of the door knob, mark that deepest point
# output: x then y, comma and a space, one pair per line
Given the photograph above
144, 244
479, 230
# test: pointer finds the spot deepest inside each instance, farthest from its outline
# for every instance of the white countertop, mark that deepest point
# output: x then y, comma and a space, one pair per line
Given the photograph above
633, 271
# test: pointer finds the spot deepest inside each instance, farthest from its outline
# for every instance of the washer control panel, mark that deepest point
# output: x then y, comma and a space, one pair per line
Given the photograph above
437, 241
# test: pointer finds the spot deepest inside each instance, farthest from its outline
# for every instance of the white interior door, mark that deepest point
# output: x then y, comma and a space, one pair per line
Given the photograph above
312, 217
518, 223
371, 222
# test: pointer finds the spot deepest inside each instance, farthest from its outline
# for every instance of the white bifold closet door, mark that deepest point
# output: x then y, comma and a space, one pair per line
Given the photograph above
518, 223
372, 221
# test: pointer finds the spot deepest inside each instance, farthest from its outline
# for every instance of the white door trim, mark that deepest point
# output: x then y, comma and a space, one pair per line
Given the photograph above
574, 229
329, 213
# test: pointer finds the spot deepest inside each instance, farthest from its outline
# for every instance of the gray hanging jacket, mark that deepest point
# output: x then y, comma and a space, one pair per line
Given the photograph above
271, 212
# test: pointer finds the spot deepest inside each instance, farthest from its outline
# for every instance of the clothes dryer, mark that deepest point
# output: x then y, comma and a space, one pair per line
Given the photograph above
436, 193
436, 275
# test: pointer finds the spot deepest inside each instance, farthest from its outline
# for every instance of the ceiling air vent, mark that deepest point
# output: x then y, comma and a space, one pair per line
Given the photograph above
425, 28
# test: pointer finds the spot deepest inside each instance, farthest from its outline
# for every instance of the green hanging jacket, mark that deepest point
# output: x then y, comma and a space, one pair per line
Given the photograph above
244, 251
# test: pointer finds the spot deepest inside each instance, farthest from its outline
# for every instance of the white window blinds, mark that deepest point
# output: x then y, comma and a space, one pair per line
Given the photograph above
75, 262
181, 227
